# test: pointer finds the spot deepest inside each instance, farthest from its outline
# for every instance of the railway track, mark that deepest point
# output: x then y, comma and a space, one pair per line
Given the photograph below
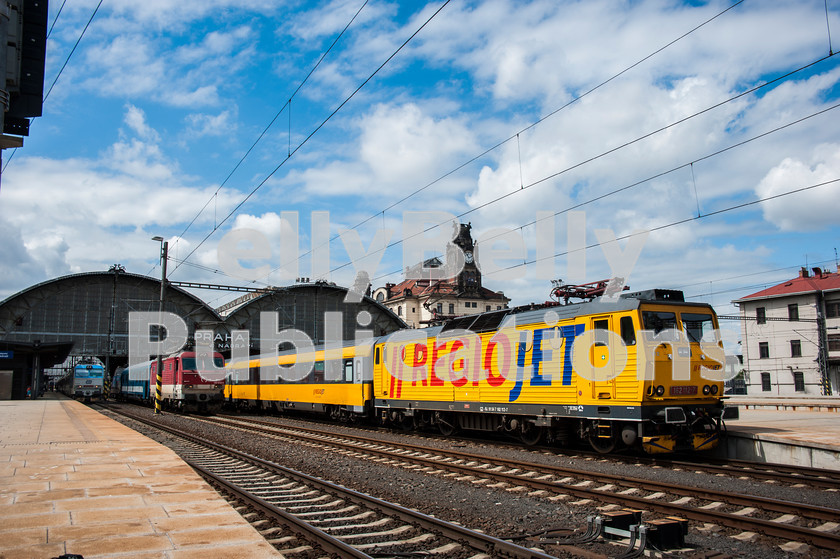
792, 475
796, 522
314, 517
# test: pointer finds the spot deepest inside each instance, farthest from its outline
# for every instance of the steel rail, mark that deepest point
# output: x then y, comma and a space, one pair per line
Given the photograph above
326, 542
828, 479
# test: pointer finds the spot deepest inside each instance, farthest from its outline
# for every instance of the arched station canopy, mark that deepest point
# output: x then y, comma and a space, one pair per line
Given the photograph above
303, 307
91, 310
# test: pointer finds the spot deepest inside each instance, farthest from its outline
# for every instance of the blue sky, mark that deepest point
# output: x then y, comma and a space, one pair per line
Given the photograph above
162, 99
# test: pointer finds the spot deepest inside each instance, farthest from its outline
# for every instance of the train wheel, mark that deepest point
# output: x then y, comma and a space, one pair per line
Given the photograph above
602, 445
531, 435
446, 425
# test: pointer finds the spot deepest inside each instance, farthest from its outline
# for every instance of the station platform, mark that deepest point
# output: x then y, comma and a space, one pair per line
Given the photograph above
803, 432
73, 481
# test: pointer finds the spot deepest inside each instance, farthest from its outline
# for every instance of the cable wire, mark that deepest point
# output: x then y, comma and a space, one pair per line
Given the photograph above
317, 128
63, 66
288, 105
530, 126
619, 147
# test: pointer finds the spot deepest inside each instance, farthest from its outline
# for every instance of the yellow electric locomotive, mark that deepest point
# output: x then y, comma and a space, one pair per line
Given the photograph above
642, 371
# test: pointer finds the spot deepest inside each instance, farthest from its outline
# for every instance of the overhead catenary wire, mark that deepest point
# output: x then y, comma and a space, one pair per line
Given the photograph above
682, 221
63, 66
57, 15
286, 106
516, 191
532, 125
321, 125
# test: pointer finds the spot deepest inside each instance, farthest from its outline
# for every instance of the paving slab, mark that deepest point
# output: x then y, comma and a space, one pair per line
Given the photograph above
75, 481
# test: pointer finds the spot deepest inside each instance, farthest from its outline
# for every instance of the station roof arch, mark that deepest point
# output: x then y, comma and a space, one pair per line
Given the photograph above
92, 310
303, 307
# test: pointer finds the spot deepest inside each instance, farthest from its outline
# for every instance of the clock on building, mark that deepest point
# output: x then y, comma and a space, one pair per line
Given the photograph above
468, 257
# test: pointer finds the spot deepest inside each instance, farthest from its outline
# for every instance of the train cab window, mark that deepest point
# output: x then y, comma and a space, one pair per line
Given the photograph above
697, 326
657, 321
628, 332
348, 370
601, 328
202, 363
376, 356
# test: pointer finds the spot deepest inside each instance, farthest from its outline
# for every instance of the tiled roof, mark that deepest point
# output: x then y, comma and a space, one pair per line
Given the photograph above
818, 281
425, 288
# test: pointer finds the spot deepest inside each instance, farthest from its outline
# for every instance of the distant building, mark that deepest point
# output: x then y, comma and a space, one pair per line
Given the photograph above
421, 302
791, 336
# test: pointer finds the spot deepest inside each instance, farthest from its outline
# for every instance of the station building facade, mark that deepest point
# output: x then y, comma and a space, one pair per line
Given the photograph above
791, 337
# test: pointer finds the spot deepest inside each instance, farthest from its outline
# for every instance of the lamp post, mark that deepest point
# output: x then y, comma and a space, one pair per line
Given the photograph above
164, 248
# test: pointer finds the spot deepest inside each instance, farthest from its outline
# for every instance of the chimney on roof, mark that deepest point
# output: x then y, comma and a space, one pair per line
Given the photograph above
803, 272
817, 272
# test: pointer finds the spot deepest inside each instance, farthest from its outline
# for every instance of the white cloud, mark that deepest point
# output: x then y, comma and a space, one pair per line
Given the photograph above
133, 63
97, 207
200, 125
401, 148
805, 211
328, 20
136, 120
402, 144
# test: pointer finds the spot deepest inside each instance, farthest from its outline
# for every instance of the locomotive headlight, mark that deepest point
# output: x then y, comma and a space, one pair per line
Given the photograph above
660, 390
714, 389
706, 389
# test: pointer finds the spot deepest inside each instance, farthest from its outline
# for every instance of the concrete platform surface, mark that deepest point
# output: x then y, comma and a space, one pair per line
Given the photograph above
787, 434
74, 481
815, 428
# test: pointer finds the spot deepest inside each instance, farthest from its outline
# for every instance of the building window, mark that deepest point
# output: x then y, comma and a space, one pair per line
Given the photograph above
440, 308
498, 307
793, 312
451, 308
760, 317
413, 309
834, 342
487, 308
763, 350
832, 310
795, 348
798, 381
765, 382
399, 310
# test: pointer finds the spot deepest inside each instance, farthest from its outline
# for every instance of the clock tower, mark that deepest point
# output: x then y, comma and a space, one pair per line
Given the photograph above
469, 280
